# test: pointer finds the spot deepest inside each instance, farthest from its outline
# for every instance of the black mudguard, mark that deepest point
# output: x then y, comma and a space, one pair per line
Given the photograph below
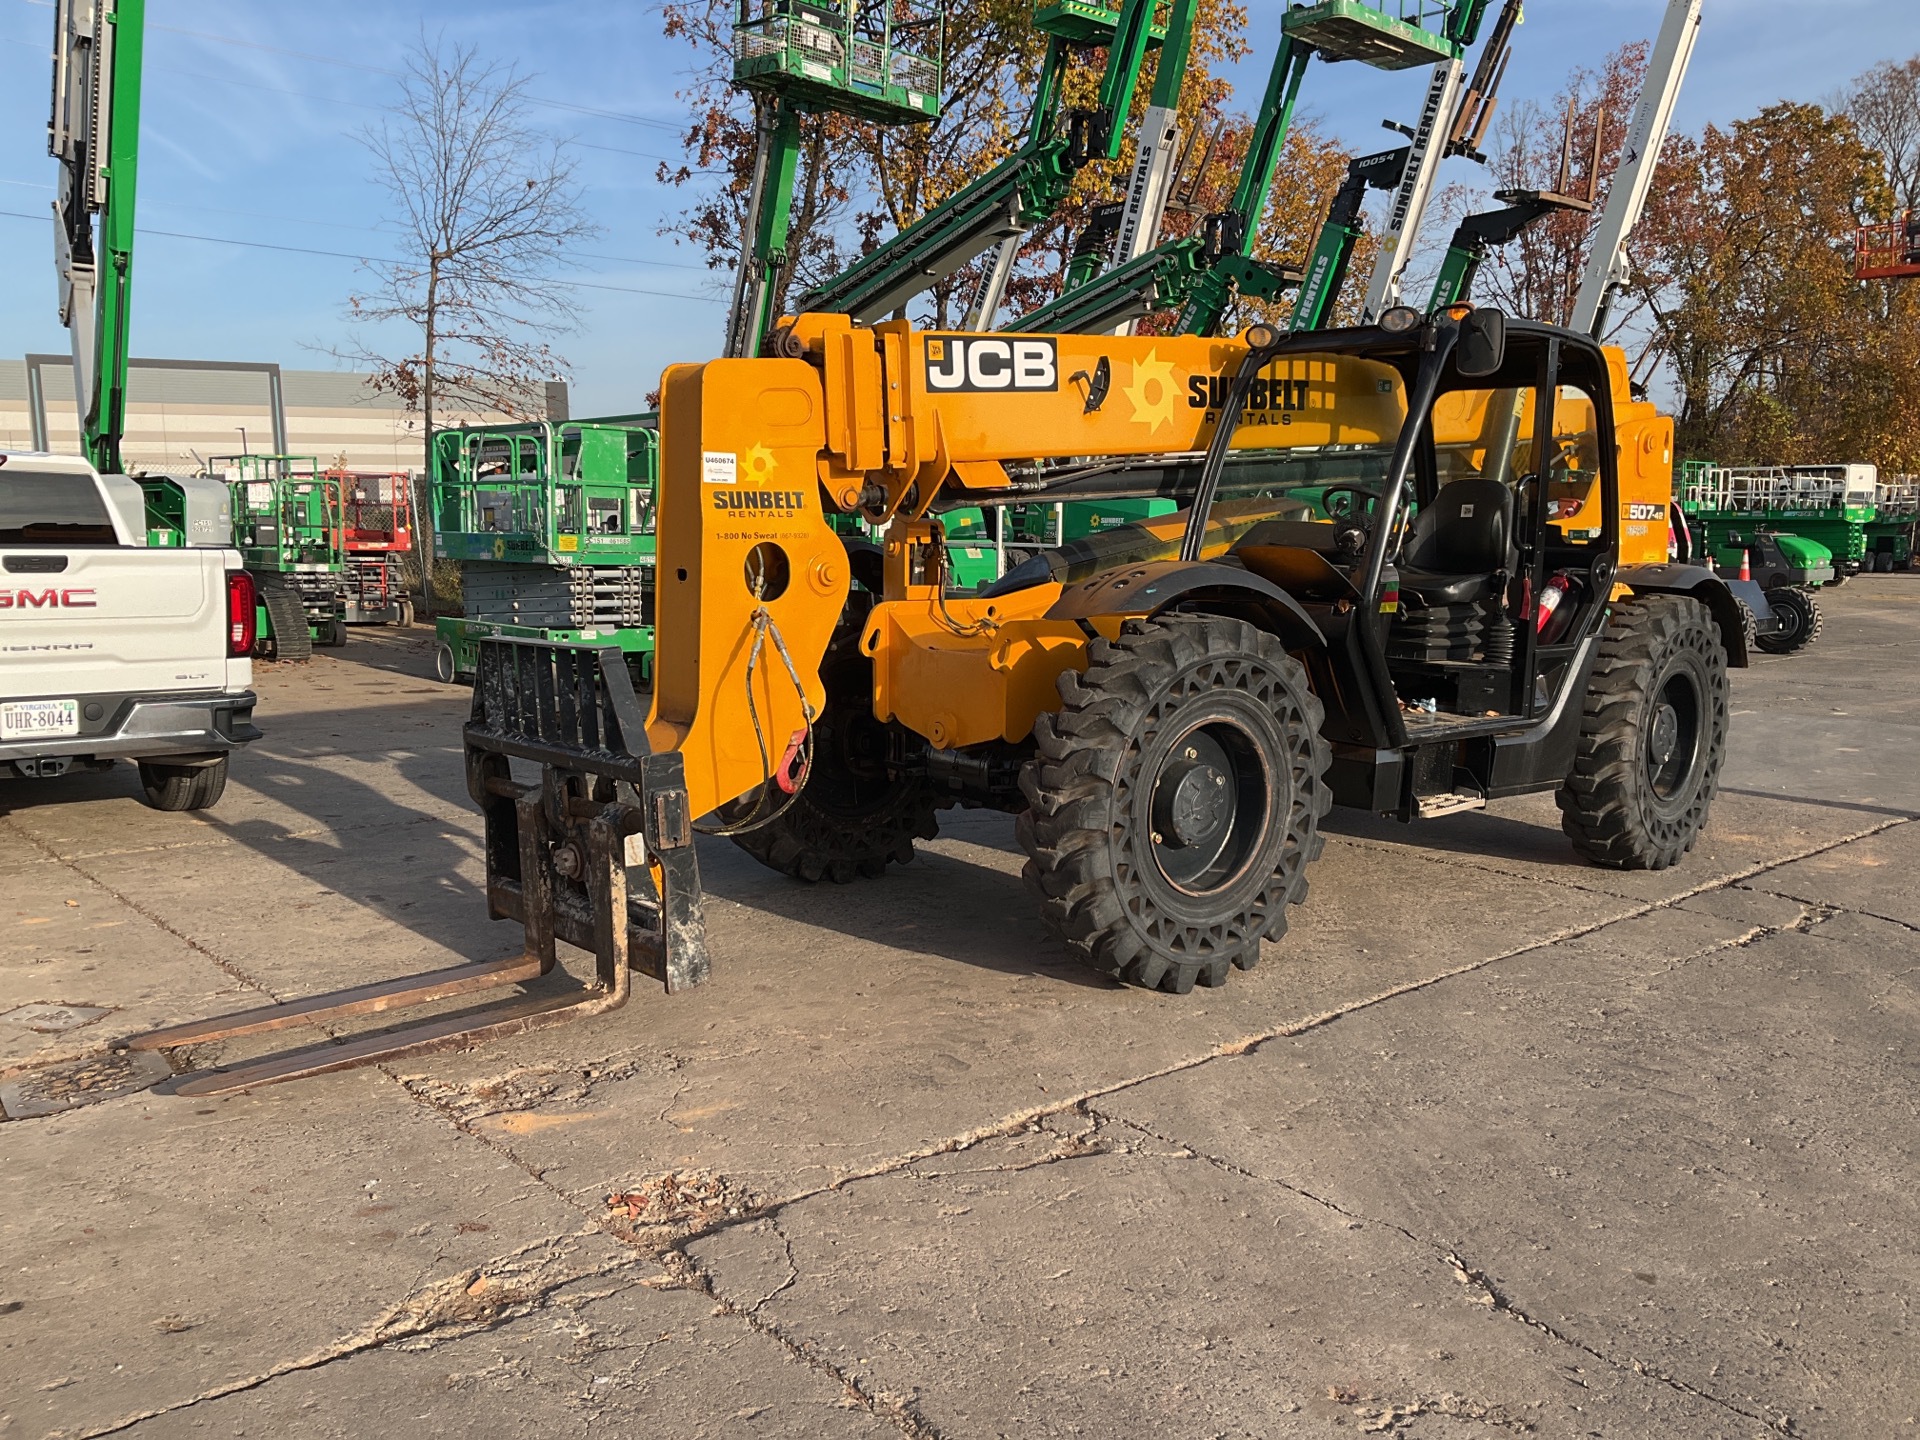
1712, 590
1158, 585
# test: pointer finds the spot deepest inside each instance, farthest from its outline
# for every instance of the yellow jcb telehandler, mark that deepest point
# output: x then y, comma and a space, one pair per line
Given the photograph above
1413, 567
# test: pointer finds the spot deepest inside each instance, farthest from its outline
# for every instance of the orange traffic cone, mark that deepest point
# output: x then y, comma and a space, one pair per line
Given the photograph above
1746, 565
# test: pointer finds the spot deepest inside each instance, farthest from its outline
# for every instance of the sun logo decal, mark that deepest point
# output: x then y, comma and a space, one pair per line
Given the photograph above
500, 549
1154, 393
758, 463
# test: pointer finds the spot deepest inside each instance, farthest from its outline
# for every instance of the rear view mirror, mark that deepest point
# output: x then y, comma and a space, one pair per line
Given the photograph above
1483, 344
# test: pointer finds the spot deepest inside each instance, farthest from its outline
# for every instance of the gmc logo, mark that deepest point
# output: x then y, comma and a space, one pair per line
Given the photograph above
47, 600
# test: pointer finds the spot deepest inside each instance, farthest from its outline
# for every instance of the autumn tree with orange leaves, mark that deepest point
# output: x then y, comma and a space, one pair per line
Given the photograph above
1776, 354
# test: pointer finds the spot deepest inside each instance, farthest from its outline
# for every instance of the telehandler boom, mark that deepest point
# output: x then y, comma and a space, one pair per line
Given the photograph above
1168, 708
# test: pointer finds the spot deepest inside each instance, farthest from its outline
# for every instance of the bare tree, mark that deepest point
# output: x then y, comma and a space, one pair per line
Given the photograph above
1884, 105
485, 207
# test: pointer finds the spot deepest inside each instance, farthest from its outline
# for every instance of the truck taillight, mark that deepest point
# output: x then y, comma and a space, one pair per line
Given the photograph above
240, 616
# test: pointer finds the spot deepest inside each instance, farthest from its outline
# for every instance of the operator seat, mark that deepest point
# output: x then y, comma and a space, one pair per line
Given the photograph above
1454, 568
1460, 544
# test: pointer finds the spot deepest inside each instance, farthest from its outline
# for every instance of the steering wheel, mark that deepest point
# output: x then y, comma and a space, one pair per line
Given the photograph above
1353, 507
1352, 525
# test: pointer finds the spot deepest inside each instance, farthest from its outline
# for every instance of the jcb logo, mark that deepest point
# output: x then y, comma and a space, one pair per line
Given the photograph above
47, 600
980, 364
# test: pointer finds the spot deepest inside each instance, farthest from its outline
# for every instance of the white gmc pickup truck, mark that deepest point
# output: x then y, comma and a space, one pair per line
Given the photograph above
110, 650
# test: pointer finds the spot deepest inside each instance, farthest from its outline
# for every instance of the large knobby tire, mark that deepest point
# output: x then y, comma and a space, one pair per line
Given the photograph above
1175, 801
851, 818
183, 787
1800, 614
1653, 735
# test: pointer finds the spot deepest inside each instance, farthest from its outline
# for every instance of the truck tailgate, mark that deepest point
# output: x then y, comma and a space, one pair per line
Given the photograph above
87, 620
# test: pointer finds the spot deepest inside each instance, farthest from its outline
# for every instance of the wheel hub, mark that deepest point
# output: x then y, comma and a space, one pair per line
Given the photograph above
1193, 803
1665, 736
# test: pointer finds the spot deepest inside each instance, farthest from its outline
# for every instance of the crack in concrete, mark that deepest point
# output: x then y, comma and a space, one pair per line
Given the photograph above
898, 1411
793, 1268
1834, 909
231, 970
1502, 1304
1465, 1273
465, 1303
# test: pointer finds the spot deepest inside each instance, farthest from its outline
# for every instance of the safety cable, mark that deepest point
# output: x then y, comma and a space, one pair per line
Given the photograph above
763, 626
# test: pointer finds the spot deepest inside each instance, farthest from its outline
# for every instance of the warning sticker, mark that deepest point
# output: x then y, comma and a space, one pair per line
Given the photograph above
719, 467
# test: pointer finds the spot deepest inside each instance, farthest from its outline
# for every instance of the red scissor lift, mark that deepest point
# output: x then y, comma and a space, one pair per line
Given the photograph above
379, 512
1890, 251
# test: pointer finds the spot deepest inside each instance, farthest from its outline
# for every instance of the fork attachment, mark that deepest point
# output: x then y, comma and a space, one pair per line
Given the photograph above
557, 851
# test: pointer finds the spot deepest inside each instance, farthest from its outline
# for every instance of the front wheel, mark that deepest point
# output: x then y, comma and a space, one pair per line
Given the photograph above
183, 787
1800, 621
853, 816
444, 665
1653, 735
1175, 801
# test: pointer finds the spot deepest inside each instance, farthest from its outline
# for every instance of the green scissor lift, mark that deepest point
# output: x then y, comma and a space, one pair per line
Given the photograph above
552, 524
289, 526
1729, 510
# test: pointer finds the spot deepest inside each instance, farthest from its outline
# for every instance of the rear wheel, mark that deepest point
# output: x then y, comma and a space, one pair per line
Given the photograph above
183, 787
443, 663
1800, 621
291, 639
1653, 734
405, 620
850, 818
1175, 801
335, 631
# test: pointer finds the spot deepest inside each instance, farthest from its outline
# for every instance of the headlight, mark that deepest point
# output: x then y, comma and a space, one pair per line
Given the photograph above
1400, 319
1261, 337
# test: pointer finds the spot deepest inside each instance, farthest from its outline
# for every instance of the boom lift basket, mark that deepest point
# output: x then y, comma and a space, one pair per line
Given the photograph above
831, 55
1387, 34
1890, 251
557, 854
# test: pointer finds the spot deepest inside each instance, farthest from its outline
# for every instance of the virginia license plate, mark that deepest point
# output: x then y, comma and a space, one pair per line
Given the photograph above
38, 719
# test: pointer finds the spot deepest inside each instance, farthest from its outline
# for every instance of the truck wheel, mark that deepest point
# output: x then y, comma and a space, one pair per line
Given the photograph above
1800, 616
183, 787
1653, 734
443, 663
850, 818
1175, 801
405, 622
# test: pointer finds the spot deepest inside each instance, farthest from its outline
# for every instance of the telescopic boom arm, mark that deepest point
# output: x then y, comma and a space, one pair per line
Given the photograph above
1608, 268
94, 132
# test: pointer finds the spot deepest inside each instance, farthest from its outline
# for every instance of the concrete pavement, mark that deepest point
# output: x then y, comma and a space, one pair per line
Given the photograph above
1492, 1140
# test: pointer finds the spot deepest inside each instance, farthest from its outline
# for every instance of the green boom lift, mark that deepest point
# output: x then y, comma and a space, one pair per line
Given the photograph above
94, 132
1028, 186
1200, 275
880, 63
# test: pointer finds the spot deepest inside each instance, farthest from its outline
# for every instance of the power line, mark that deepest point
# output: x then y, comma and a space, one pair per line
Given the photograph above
356, 229
376, 259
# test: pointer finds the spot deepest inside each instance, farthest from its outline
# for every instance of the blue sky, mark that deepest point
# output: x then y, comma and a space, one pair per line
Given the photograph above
250, 106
